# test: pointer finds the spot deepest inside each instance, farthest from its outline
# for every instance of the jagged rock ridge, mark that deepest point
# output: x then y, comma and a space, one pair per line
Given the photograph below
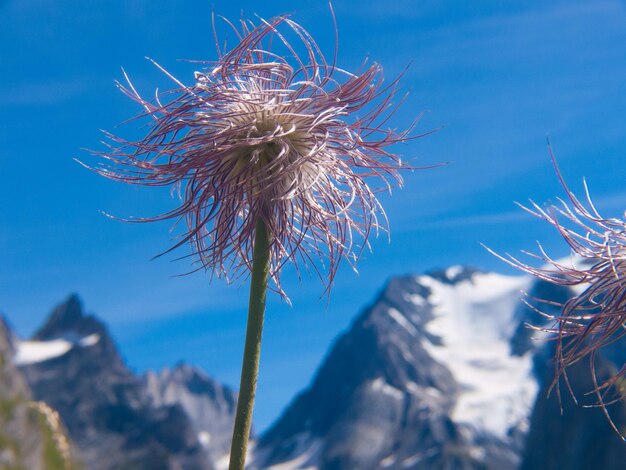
209, 404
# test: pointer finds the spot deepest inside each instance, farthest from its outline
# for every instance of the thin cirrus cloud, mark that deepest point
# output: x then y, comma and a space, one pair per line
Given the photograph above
43, 93
609, 202
476, 220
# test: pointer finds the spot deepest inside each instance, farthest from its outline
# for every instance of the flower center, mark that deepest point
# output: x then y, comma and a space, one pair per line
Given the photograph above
272, 152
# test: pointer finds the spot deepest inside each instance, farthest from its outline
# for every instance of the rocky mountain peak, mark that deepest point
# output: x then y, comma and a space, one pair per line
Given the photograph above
73, 364
439, 371
407, 386
199, 383
68, 320
377, 394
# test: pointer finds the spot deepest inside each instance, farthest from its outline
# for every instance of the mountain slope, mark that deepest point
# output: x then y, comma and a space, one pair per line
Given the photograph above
576, 435
31, 435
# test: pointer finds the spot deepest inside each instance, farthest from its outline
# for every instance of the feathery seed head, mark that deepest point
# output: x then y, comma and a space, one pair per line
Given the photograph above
595, 317
273, 137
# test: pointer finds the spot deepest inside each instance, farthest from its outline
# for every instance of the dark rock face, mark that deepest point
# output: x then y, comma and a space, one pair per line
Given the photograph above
579, 437
68, 320
209, 405
565, 434
104, 406
527, 314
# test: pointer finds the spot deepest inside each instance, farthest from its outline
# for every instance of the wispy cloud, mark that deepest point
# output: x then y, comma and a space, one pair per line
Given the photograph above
42, 94
611, 202
477, 219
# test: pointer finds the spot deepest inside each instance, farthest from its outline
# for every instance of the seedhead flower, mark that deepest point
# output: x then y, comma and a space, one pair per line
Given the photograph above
595, 317
270, 137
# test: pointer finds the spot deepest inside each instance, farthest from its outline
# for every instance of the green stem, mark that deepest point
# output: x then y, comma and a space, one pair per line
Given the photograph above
252, 350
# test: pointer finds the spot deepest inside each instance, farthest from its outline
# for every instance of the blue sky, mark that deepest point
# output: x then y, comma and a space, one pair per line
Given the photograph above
498, 77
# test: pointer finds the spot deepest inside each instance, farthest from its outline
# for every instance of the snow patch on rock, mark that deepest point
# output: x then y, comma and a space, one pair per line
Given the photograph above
380, 385
306, 451
30, 352
402, 321
474, 319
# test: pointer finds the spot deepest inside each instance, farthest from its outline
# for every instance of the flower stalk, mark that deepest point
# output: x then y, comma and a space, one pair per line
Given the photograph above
272, 151
252, 349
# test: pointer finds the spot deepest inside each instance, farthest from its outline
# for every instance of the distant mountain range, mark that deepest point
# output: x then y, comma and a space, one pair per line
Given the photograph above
116, 419
438, 372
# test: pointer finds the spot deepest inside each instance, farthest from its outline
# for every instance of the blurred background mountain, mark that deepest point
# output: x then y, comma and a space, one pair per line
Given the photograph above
440, 371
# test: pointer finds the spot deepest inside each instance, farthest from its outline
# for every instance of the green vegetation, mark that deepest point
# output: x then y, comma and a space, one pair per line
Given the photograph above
8, 406
53, 458
36, 422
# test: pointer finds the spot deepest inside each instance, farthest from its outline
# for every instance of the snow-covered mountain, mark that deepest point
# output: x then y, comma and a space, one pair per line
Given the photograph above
473, 323
440, 372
